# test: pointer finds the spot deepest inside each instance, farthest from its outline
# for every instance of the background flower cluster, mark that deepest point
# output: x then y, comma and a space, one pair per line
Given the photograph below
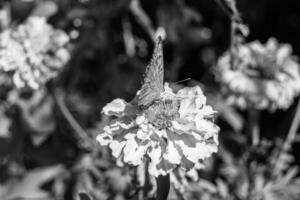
34, 51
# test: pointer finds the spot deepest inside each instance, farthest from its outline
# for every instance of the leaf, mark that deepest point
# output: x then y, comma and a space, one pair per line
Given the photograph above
84, 196
222, 188
38, 114
191, 14
29, 185
226, 112
45, 9
5, 18
85, 188
229, 7
283, 192
288, 177
141, 17
208, 186
117, 180
5, 124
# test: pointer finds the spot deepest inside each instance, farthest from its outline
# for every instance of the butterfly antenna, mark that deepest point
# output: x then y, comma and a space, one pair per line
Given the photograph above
187, 79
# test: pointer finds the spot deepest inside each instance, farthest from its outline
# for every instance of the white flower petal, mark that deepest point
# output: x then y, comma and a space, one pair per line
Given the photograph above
172, 155
155, 156
117, 147
116, 106
104, 139
133, 153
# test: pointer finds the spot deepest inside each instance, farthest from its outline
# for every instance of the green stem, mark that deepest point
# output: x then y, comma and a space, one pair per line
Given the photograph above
232, 44
225, 10
253, 126
289, 139
80, 134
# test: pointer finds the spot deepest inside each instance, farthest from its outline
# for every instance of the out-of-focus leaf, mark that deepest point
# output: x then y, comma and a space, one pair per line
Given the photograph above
83, 185
243, 28
84, 196
118, 181
207, 186
78, 104
229, 7
222, 188
141, 17
37, 113
259, 182
21, 9
29, 185
45, 9
4, 17
191, 14
128, 38
88, 180
86, 185
228, 113
5, 124
59, 187
177, 19
288, 177
274, 191
284, 161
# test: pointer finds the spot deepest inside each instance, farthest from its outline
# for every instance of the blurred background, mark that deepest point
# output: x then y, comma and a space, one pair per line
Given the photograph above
41, 154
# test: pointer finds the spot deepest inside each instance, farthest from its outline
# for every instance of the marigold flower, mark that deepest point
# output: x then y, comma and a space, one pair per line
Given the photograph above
33, 51
177, 131
264, 76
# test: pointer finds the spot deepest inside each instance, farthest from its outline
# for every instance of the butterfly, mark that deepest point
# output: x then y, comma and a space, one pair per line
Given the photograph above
153, 85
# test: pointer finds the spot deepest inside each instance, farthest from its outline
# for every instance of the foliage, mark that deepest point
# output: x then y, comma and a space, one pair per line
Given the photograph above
62, 61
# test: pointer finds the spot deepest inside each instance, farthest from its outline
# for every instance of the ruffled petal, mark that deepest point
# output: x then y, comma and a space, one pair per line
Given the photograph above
104, 139
172, 155
197, 143
120, 107
116, 107
117, 147
191, 99
133, 151
155, 156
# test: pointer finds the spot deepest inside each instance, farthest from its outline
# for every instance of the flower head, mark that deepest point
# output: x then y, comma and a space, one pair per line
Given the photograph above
175, 131
266, 76
33, 51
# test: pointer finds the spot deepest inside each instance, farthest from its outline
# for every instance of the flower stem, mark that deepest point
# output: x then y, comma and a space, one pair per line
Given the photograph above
225, 10
289, 139
163, 187
232, 44
253, 126
80, 134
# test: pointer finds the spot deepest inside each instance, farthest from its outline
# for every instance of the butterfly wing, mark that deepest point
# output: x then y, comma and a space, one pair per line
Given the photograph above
153, 84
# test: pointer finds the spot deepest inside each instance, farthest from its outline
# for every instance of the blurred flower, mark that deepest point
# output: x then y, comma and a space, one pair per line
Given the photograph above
263, 76
33, 51
175, 131
118, 181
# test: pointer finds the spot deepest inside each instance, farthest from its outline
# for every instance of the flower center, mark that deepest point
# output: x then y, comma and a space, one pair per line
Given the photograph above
161, 113
266, 66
